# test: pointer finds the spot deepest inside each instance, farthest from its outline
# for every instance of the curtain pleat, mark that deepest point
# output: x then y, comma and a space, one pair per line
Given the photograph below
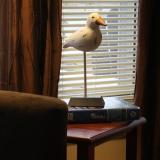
4, 45
52, 62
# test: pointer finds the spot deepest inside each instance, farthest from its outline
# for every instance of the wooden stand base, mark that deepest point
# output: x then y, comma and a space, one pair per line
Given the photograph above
97, 102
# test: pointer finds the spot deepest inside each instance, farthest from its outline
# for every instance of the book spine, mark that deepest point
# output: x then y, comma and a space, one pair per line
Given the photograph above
107, 115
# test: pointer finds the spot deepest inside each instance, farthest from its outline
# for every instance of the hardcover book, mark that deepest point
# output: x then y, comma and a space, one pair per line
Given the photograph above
115, 109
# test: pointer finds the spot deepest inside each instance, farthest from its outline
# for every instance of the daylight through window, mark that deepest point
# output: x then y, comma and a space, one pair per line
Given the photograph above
111, 67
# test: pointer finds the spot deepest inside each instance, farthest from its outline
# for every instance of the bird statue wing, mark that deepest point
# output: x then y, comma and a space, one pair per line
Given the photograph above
79, 39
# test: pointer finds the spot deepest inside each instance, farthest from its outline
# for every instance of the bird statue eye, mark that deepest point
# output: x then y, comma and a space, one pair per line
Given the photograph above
93, 17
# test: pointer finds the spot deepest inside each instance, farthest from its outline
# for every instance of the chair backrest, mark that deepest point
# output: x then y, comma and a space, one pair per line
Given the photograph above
32, 127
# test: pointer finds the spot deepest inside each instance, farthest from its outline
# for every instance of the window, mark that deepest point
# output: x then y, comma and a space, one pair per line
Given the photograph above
111, 67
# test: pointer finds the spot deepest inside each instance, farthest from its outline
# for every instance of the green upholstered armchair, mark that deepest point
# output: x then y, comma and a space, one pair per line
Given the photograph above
32, 127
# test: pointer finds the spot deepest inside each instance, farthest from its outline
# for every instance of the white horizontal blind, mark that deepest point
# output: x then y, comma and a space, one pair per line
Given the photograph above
111, 67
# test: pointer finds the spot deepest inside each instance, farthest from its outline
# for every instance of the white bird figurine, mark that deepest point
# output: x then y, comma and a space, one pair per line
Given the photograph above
89, 37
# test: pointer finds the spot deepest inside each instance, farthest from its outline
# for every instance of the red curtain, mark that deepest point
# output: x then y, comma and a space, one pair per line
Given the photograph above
30, 45
147, 92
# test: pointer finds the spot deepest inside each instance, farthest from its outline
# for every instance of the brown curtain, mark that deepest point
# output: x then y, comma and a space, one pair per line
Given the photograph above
147, 93
30, 45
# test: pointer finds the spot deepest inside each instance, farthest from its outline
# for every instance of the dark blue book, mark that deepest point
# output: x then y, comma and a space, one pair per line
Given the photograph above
115, 109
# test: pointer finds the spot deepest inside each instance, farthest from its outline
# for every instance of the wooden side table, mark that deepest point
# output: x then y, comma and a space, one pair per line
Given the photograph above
87, 136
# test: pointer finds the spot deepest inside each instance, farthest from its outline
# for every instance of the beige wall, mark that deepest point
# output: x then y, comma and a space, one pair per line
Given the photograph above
112, 150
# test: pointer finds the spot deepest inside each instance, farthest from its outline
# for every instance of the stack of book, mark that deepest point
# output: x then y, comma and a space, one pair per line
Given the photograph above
115, 109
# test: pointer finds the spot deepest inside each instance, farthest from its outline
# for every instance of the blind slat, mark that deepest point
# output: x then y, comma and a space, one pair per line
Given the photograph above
113, 88
70, 30
116, 35
127, 94
85, 13
105, 53
111, 47
98, 82
103, 60
109, 18
100, 7
102, 71
109, 24
98, 65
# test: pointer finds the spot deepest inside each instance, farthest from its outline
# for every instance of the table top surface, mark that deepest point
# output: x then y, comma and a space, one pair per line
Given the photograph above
94, 132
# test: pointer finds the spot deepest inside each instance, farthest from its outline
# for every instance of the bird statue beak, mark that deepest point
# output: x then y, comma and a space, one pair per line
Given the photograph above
101, 21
